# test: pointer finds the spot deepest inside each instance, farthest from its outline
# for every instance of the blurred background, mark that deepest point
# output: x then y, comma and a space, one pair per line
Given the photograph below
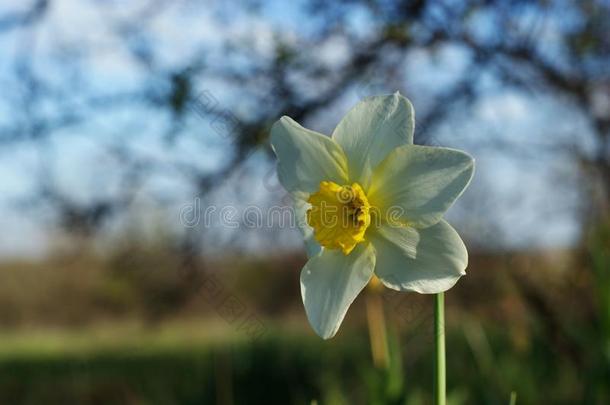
145, 252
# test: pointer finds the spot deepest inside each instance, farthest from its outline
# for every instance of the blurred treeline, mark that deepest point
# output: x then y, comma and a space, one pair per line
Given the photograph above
108, 109
168, 102
128, 327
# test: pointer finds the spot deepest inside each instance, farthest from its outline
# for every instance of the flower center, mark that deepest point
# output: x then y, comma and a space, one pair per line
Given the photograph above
339, 215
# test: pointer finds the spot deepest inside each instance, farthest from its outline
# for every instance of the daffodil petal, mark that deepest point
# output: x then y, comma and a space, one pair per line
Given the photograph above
300, 211
329, 284
371, 129
426, 261
417, 184
305, 158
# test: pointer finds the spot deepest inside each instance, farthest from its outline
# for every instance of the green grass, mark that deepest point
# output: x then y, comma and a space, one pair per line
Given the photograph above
132, 337
195, 361
209, 363
180, 363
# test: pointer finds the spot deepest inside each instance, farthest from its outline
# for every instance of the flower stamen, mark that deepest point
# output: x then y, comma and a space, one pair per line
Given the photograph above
339, 215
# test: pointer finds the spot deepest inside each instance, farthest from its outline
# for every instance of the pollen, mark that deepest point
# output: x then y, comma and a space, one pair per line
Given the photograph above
339, 215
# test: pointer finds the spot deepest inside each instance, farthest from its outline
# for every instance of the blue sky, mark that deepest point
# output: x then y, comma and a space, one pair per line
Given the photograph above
523, 199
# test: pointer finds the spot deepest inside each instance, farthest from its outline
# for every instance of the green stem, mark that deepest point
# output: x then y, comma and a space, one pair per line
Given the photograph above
439, 349
513, 398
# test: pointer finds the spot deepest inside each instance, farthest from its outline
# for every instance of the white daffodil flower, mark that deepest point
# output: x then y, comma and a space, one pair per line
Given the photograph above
370, 202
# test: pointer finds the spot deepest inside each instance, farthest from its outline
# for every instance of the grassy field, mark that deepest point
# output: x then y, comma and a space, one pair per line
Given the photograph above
119, 331
190, 362
179, 362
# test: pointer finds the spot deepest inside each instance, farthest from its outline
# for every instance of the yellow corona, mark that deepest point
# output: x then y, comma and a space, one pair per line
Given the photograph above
339, 215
